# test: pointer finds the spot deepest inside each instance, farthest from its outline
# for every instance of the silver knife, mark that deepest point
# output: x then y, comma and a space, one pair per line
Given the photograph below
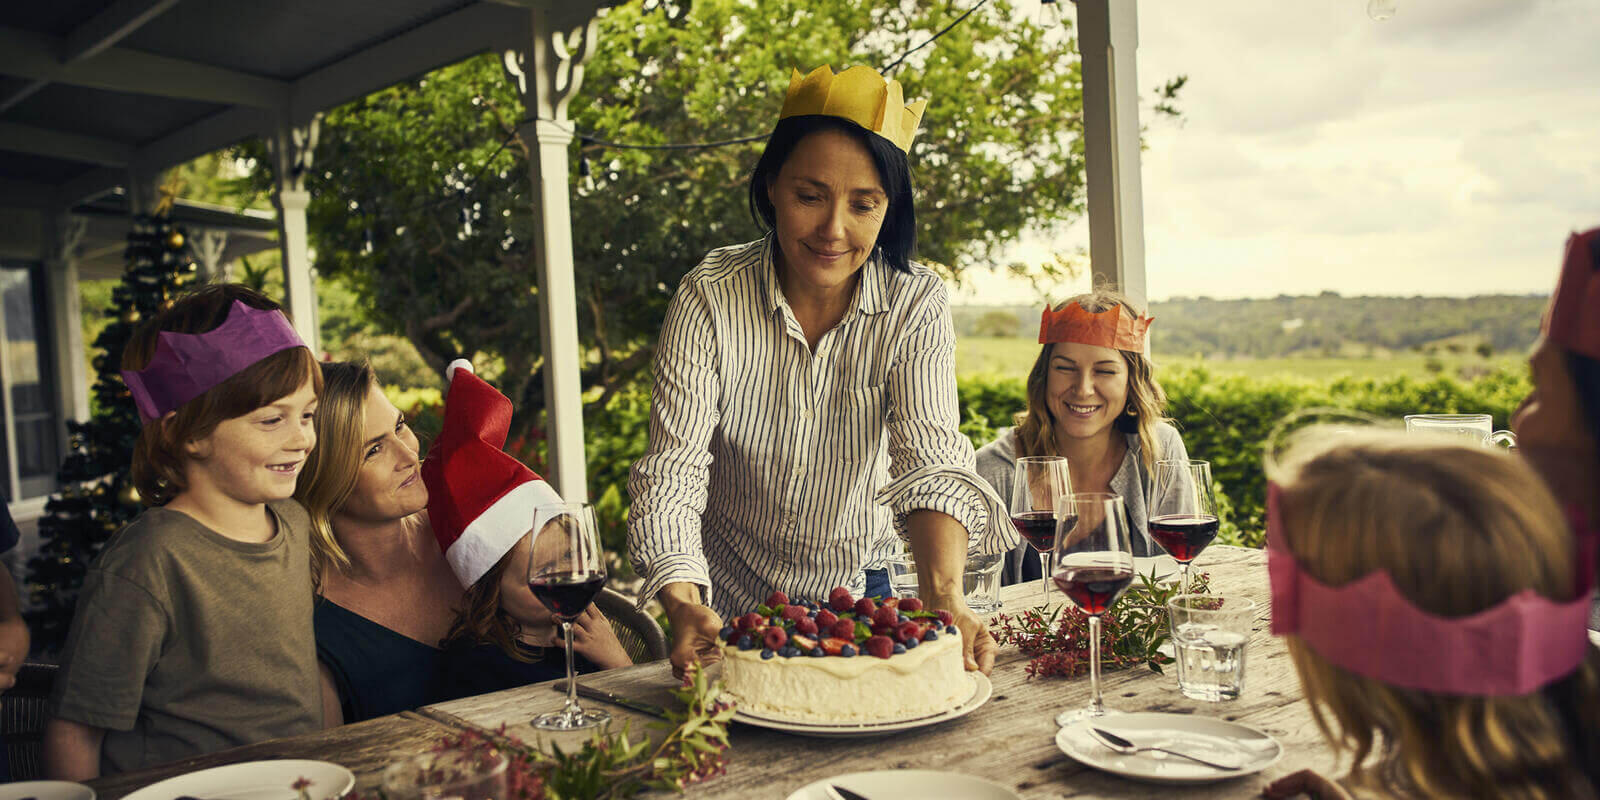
616, 700
836, 792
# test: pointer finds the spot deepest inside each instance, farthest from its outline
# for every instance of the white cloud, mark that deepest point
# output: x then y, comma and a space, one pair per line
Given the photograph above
1448, 150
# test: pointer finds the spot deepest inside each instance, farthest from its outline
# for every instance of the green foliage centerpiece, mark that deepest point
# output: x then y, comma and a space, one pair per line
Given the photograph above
1132, 631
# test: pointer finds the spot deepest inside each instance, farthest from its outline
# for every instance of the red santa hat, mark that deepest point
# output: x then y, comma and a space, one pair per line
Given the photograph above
481, 501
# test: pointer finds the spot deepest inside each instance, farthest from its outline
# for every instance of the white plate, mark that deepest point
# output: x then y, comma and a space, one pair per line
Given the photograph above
1203, 736
254, 780
46, 790
923, 784
981, 689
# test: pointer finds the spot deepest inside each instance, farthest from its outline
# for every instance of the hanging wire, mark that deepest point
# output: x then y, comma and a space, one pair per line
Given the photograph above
934, 38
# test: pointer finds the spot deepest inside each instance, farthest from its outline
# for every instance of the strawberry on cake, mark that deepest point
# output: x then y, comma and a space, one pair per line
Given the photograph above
849, 661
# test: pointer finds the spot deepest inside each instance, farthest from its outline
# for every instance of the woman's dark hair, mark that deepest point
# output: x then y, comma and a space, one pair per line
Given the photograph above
897, 240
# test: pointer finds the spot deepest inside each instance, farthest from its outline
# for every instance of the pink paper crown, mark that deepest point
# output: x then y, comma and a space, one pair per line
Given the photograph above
1367, 627
1109, 328
1573, 319
187, 365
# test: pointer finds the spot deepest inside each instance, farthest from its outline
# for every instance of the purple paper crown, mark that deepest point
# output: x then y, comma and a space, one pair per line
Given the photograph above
1369, 628
187, 365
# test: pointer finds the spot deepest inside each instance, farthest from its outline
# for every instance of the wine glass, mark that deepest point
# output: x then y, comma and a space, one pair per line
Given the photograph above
1094, 566
1183, 510
1035, 486
566, 569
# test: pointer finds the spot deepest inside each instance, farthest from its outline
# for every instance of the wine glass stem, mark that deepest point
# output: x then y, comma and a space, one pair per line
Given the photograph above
1183, 585
572, 681
1044, 561
1096, 707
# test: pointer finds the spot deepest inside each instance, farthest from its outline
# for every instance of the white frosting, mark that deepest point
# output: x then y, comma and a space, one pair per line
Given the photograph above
927, 679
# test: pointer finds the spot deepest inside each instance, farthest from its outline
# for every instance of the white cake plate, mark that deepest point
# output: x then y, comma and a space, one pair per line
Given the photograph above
981, 689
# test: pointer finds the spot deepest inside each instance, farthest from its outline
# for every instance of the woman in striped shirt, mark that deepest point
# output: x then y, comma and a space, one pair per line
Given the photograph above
795, 375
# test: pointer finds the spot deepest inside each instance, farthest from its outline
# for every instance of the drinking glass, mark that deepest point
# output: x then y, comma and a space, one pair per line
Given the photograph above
454, 775
1183, 510
566, 569
1209, 634
1093, 567
1477, 427
1035, 487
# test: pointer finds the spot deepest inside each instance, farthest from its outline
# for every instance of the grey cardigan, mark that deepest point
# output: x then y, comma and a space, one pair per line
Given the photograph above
997, 463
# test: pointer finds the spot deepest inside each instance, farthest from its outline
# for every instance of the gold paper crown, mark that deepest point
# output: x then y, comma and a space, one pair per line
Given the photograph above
1108, 328
858, 94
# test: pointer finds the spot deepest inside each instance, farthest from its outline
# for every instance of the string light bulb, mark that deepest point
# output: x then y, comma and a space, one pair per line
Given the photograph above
1049, 13
1381, 10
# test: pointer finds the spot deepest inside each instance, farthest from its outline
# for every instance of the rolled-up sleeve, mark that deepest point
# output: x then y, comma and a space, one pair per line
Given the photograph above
668, 485
924, 427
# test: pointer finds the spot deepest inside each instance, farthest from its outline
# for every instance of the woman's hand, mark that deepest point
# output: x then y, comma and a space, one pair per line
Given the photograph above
593, 638
694, 627
977, 645
1308, 783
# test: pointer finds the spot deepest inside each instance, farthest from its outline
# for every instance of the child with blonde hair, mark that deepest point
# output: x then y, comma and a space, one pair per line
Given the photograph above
193, 630
1435, 611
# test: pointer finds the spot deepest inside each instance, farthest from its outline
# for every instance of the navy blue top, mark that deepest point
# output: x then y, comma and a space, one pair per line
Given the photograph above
376, 670
468, 668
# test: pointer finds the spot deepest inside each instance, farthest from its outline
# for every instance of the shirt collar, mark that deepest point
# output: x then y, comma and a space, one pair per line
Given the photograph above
871, 291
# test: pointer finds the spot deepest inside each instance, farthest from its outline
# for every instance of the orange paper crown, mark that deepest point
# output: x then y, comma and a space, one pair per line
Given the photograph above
858, 94
1109, 328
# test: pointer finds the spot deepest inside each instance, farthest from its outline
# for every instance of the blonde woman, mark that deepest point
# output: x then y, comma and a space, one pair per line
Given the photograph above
386, 596
1462, 532
1093, 398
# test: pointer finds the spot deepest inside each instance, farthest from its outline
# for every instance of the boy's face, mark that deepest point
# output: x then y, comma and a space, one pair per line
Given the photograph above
254, 458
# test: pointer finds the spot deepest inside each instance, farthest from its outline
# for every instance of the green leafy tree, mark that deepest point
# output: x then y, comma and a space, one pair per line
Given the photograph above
419, 207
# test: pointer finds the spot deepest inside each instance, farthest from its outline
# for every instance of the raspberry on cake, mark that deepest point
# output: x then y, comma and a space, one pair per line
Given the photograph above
875, 662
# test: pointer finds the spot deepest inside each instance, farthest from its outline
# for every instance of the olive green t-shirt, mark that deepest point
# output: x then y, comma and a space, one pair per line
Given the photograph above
186, 641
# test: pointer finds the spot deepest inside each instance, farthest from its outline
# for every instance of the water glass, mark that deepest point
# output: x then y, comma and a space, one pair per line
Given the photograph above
1477, 427
903, 575
980, 582
450, 775
1209, 634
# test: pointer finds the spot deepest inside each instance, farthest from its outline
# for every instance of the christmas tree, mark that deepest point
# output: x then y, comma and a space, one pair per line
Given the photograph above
96, 496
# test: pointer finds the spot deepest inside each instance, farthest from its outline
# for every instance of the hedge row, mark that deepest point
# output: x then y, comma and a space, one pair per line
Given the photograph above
1225, 419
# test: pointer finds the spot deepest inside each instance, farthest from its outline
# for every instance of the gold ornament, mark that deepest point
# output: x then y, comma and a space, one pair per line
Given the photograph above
129, 495
175, 240
129, 316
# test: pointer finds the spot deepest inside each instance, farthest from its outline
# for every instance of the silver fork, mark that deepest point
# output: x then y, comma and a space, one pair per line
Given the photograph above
1125, 747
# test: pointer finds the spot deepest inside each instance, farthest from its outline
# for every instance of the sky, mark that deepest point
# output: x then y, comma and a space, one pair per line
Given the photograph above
1447, 150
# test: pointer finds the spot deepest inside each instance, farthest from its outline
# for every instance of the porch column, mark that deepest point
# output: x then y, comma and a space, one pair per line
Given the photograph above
291, 147
65, 236
547, 71
1108, 37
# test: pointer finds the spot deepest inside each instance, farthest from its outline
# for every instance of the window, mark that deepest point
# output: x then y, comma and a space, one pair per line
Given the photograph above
30, 437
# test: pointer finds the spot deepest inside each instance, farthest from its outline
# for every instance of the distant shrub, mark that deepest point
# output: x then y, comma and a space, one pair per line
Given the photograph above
1226, 419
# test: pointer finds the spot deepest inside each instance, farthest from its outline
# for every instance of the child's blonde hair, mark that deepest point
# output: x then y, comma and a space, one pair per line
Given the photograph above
159, 456
1146, 406
1459, 528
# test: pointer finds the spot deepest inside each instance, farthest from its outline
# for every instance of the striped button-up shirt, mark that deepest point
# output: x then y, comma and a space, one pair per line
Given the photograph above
764, 455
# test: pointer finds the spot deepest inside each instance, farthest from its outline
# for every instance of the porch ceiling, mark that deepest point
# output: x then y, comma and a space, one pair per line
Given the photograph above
90, 89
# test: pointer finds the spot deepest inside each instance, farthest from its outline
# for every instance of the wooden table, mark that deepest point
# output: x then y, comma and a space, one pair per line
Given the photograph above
364, 748
1011, 740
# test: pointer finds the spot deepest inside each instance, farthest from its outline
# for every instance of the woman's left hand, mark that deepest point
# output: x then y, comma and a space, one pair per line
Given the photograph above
978, 646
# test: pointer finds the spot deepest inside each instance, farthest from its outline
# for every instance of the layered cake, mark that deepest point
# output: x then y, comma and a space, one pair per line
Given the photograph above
847, 661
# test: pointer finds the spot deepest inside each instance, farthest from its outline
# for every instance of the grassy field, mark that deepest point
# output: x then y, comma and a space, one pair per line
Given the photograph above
1014, 357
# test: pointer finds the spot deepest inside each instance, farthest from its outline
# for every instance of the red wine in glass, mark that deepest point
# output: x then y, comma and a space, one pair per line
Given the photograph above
567, 595
1094, 588
1038, 528
1184, 535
